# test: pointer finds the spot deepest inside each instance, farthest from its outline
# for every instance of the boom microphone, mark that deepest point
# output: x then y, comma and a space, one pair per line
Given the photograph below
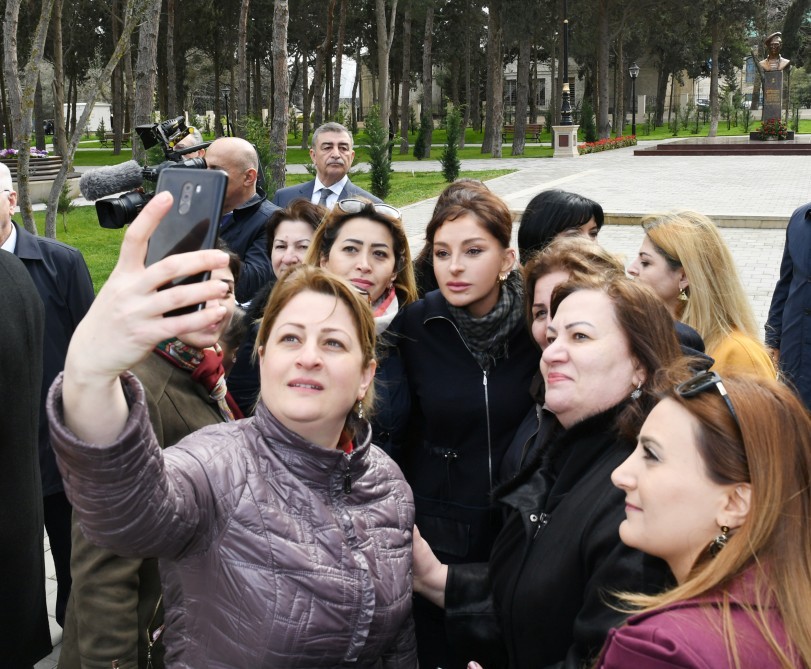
106, 181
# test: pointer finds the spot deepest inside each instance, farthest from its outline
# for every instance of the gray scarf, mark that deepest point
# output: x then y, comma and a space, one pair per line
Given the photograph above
486, 337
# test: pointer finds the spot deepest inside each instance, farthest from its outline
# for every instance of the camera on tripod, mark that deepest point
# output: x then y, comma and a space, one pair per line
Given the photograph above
117, 212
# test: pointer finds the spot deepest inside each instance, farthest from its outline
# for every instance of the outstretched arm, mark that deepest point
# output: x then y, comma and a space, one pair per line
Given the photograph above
126, 321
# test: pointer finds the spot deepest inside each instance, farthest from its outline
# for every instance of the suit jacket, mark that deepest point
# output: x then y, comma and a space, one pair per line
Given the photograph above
63, 282
284, 196
24, 635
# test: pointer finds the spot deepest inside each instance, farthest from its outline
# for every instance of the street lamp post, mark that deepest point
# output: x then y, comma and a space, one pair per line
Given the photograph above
566, 102
634, 72
225, 91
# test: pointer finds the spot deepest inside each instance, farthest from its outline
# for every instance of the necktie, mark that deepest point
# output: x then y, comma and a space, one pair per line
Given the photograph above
325, 193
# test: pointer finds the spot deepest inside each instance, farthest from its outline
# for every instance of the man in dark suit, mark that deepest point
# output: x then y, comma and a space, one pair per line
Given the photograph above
332, 155
24, 634
246, 211
63, 282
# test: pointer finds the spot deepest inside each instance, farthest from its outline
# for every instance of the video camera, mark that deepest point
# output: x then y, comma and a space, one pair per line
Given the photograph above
117, 212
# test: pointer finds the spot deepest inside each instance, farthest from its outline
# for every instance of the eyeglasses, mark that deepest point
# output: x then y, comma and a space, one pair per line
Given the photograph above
354, 206
703, 382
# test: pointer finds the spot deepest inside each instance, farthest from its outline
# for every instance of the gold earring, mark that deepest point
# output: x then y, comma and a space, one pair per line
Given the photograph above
683, 296
720, 541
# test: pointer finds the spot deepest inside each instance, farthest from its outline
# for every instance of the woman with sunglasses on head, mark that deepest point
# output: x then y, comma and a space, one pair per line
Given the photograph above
543, 597
285, 538
719, 486
366, 244
289, 232
684, 260
469, 361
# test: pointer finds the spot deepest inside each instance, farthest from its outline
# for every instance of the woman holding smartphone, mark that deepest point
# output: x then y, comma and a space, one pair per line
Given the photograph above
269, 556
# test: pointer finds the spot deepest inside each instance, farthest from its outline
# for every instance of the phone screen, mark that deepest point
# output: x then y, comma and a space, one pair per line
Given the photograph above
192, 222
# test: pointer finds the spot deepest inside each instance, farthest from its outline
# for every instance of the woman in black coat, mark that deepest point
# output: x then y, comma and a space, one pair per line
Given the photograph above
543, 600
468, 360
24, 634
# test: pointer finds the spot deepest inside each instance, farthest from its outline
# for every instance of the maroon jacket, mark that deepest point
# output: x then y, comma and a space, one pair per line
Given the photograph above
275, 552
688, 635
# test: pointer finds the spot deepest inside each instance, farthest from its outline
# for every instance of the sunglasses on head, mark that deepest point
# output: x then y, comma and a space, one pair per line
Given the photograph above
703, 382
354, 206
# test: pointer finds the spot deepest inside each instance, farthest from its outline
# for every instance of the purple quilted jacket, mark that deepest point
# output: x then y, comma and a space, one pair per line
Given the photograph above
274, 552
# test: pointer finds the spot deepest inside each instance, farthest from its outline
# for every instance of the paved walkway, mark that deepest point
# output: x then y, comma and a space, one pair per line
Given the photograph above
741, 193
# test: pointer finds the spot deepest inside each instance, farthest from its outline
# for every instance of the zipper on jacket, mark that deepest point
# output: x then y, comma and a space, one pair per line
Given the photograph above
486, 397
489, 441
347, 474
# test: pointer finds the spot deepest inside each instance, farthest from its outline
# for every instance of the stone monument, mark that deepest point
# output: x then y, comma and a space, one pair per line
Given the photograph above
772, 68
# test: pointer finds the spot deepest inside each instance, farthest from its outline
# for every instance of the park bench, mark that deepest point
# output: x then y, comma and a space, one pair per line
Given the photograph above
106, 142
532, 131
39, 169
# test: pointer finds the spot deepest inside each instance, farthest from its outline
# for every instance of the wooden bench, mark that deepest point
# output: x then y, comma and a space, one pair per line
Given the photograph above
109, 138
39, 169
532, 131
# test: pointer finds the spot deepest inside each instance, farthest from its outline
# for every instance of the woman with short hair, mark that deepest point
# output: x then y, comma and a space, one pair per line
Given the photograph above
270, 555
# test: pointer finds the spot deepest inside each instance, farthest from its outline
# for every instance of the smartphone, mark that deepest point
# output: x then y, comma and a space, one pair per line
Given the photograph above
192, 222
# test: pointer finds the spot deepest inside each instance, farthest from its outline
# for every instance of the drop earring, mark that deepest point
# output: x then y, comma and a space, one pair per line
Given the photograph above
359, 409
683, 296
637, 393
720, 541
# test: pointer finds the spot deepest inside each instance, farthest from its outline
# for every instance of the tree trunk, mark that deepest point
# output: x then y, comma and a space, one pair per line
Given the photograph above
619, 105
495, 93
355, 84
39, 117
521, 95
257, 87
603, 52
21, 95
5, 121
553, 89
133, 13
322, 53
428, 77
385, 38
241, 82
60, 136
468, 98
217, 63
305, 98
171, 69
129, 77
661, 91
715, 108
405, 78
117, 82
339, 58
278, 128
533, 87
145, 71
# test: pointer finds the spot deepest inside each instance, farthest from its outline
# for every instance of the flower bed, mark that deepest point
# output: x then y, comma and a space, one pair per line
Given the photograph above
607, 144
772, 128
8, 154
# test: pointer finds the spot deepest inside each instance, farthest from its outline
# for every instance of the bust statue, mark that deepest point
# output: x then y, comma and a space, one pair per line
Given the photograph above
774, 62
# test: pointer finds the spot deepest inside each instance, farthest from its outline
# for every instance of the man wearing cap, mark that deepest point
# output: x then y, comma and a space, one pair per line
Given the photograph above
332, 155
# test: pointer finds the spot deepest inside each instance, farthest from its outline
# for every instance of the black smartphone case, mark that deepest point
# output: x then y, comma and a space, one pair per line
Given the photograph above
196, 227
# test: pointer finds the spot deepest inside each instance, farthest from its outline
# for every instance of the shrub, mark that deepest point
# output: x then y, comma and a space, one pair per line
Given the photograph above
295, 128
64, 205
450, 155
420, 149
101, 131
587, 122
378, 144
772, 127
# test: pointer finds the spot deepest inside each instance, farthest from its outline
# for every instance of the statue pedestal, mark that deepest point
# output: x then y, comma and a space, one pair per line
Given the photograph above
565, 141
772, 95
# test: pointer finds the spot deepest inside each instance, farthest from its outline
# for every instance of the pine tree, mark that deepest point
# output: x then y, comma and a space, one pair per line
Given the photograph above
450, 154
378, 148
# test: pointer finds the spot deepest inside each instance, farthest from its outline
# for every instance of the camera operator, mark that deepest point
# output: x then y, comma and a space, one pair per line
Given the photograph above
245, 212
194, 138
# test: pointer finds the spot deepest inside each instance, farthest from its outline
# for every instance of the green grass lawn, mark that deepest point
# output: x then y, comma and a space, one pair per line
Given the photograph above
100, 246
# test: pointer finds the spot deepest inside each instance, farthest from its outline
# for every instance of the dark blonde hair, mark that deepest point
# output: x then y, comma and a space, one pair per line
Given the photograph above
579, 257
326, 234
772, 451
304, 278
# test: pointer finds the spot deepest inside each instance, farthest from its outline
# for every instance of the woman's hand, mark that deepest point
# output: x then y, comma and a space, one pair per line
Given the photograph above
126, 321
430, 575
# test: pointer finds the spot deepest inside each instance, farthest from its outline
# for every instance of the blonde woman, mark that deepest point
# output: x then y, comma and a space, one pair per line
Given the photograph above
684, 260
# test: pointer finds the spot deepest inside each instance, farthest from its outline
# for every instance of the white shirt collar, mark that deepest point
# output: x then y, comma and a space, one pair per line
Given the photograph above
336, 188
10, 244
